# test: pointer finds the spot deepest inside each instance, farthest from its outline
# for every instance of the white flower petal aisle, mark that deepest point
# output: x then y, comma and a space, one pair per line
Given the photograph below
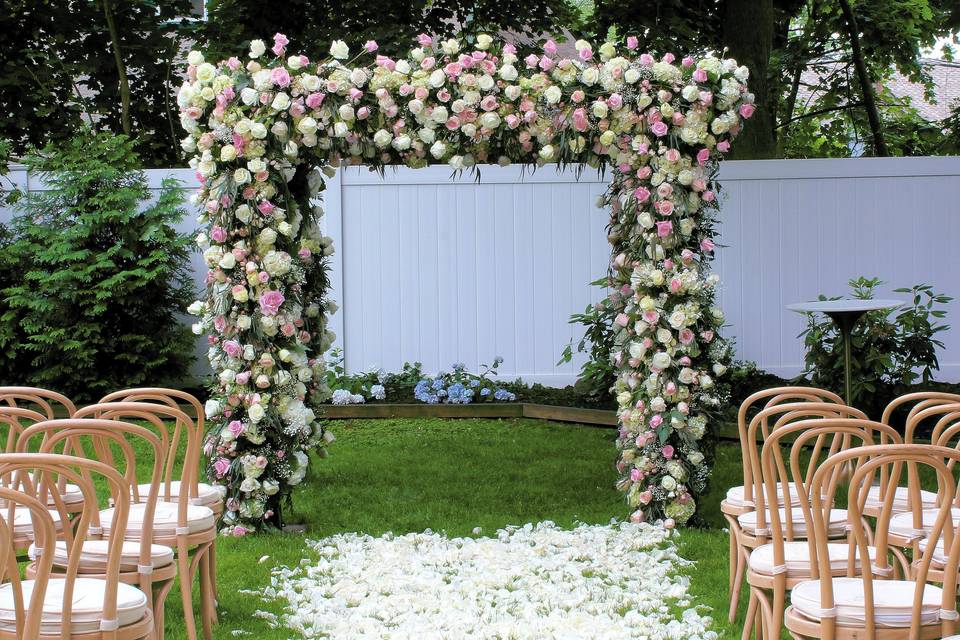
620, 580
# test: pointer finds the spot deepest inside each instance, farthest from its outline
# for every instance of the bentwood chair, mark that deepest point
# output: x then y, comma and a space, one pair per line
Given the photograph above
753, 529
200, 493
776, 567
66, 604
739, 500
874, 604
180, 521
44, 401
116, 444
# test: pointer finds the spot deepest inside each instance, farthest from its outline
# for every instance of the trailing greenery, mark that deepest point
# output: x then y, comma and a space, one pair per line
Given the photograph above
597, 374
94, 274
892, 349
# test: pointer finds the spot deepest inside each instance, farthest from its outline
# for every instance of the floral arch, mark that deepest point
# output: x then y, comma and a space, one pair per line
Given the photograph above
265, 132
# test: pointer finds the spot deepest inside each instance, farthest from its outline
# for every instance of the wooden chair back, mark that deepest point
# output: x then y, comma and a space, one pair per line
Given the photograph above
869, 461
770, 397
40, 400
50, 470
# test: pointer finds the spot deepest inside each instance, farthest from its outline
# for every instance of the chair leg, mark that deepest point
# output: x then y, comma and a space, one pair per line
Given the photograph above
737, 567
213, 569
186, 591
209, 570
160, 603
206, 594
749, 622
776, 611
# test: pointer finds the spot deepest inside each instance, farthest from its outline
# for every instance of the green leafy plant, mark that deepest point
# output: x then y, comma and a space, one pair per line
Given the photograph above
597, 374
100, 274
892, 349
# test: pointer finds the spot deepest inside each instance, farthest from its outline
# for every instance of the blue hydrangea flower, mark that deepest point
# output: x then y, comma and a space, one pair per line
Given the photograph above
502, 395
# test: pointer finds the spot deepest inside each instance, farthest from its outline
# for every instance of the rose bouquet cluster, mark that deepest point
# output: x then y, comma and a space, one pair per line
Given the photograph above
263, 130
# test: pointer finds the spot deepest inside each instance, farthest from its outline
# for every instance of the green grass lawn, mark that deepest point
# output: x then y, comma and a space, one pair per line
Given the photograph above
452, 476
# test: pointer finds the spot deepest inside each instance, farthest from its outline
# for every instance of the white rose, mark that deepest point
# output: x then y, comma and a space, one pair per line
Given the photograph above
402, 142
661, 360
249, 485
307, 125
484, 41
668, 483
257, 48
427, 135
552, 94
486, 82
212, 408
508, 72
490, 120
664, 336
228, 261
346, 113
437, 78
678, 319
339, 50
241, 176
403, 67
438, 150
258, 130
310, 82
450, 46
256, 413
546, 152
690, 93
631, 76
243, 322
719, 369
243, 213
195, 58
382, 138
590, 76
280, 102
340, 130
249, 96
206, 72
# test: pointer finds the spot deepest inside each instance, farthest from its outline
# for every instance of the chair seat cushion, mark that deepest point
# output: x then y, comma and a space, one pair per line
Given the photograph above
199, 519
901, 499
70, 494
837, 526
901, 524
797, 558
23, 520
939, 559
736, 496
207, 495
88, 598
93, 557
893, 602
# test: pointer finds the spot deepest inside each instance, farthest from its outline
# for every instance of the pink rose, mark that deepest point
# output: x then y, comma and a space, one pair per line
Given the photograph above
634, 474
239, 531
686, 336
632, 42
746, 110
646, 59
233, 348
280, 77
642, 194
242, 378
622, 319
675, 285
615, 101
656, 421
645, 498
550, 47
651, 317
586, 53
578, 96
687, 61
708, 196
659, 128
702, 156
664, 228
424, 40
221, 466
218, 234
723, 146
668, 452
370, 46
707, 336
707, 245
669, 58
236, 428
700, 75
270, 302
531, 61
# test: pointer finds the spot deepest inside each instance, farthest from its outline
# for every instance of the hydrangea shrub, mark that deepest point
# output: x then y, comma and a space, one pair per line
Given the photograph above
264, 132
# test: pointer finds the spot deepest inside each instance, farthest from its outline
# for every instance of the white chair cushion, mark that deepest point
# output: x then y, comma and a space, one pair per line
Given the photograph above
797, 558
199, 518
893, 602
836, 527
70, 494
93, 557
23, 520
206, 494
88, 597
939, 559
901, 499
901, 524
735, 496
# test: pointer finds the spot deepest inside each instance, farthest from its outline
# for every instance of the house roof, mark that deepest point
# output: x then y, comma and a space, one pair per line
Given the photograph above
946, 89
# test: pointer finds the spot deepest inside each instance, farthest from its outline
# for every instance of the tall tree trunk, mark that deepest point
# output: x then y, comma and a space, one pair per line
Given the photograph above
748, 27
866, 84
121, 69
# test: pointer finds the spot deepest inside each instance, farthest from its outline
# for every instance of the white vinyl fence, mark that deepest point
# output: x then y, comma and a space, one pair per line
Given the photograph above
441, 270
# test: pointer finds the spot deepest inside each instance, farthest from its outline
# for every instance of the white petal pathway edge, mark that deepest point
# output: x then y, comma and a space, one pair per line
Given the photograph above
620, 580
